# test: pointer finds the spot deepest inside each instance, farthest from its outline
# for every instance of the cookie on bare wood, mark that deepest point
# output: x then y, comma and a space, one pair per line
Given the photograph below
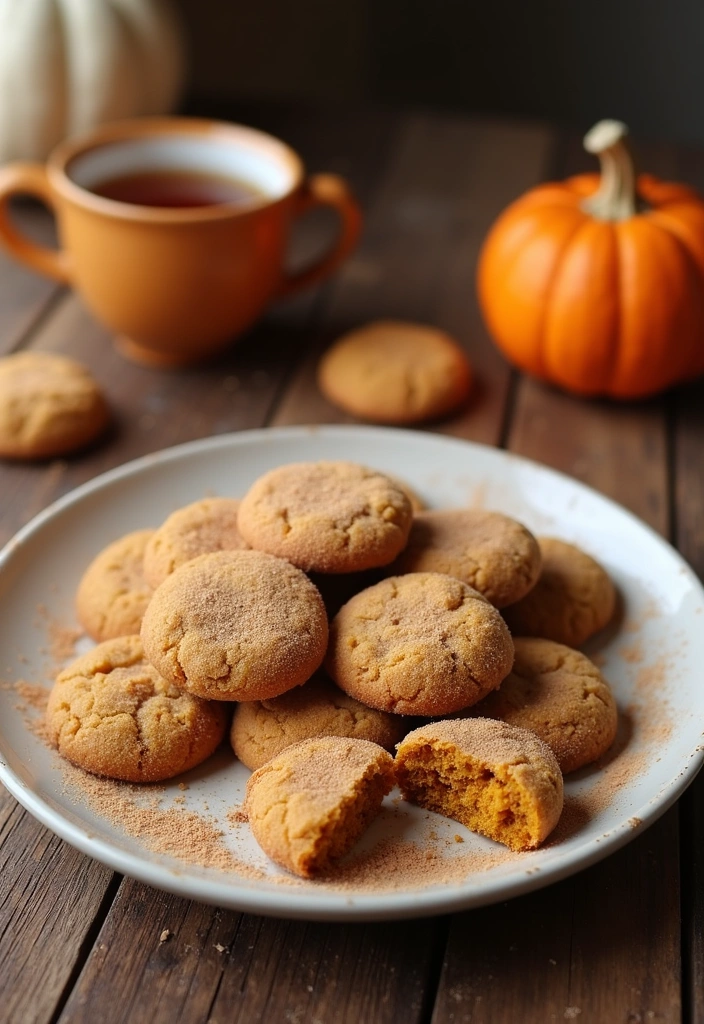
111, 713
561, 696
113, 594
573, 598
262, 729
420, 644
207, 525
236, 625
49, 406
332, 517
395, 372
491, 552
495, 778
310, 804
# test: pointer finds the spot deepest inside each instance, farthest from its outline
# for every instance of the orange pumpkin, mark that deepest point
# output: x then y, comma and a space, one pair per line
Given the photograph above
597, 283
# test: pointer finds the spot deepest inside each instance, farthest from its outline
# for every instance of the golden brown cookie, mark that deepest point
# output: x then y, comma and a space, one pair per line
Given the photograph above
111, 713
236, 625
49, 406
206, 525
113, 595
310, 804
491, 552
561, 696
262, 729
334, 517
395, 372
496, 779
421, 644
573, 598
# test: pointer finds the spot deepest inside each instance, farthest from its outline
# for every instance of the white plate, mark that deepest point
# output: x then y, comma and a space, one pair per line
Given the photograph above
653, 662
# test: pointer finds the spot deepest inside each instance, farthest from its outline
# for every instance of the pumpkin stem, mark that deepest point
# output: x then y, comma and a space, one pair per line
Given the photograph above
615, 199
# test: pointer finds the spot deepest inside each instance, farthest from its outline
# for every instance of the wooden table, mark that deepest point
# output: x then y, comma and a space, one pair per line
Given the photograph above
619, 942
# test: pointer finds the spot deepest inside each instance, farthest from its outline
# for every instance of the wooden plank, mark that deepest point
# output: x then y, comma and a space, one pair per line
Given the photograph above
221, 966
449, 179
604, 945
24, 295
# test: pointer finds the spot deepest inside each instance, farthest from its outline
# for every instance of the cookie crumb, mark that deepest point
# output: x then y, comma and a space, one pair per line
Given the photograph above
572, 1012
165, 936
220, 949
458, 838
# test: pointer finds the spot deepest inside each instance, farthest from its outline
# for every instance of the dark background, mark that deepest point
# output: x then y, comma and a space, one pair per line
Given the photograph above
575, 61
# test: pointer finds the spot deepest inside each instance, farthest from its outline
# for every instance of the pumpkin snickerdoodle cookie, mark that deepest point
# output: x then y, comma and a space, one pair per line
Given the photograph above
573, 598
395, 372
111, 713
310, 803
49, 406
495, 778
113, 594
491, 552
331, 517
236, 625
561, 696
420, 644
204, 526
261, 729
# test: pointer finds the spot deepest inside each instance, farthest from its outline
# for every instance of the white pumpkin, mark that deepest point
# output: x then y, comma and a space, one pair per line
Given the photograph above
68, 65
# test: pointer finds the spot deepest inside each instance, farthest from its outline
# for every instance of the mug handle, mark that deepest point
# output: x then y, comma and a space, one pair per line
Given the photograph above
326, 190
29, 179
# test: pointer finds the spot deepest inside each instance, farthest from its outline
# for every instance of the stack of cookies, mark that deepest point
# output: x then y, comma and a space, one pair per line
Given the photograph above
343, 622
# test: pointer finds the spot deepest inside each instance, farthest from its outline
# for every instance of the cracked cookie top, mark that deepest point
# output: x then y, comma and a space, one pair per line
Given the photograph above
420, 644
561, 696
573, 598
261, 729
491, 552
113, 593
204, 526
329, 517
236, 625
111, 713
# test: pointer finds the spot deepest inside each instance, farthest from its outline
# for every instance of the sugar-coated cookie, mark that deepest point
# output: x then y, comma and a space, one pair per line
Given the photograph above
420, 644
573, 598
309, 805
561, 696
491, 552
113, 594
332, 517
207, 525
236, 625
49, 406
262, 729
111, 713
395, 372
495, 778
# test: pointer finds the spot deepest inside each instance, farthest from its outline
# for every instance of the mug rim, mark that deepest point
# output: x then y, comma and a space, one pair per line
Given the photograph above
152, 127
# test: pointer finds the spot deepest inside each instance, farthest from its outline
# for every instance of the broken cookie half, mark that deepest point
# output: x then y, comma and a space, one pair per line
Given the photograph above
309, 805
497, 779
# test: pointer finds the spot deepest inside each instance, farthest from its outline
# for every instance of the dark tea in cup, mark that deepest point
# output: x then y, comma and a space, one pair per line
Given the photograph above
175, 188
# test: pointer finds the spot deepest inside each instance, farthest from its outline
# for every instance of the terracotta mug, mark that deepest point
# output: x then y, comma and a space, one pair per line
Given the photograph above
175, 283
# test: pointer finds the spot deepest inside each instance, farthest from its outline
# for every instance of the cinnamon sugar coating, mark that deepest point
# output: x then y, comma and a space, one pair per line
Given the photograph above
111, 713
309, 805
573, 598
497, 779
113, 594
491, 552
561, 696
332, 517
262, 729
236, 625
419, 644
206, 525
